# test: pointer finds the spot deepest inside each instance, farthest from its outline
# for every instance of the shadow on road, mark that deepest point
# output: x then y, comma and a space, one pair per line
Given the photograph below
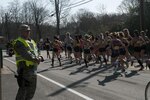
55, 60
101, 66
72, 65
108, 79
132, 73
82, 68
115, 76
44, 70
78, 82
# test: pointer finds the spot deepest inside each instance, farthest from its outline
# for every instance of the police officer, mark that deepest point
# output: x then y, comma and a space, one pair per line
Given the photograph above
27, 60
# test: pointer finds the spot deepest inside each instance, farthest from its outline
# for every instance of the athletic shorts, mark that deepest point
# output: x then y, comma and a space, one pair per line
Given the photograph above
102, 49
91, 48
115, 53
81, 50
55, 50
143, 47
122, 51
137, 49
87, 51
131, 49
69, 48
77, 49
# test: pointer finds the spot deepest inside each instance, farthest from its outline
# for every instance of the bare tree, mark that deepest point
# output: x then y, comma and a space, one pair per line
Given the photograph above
14, 11
2, 19
87, 21
128, 6
5, 21
7, 25
61, 11
26, 14
102, 9
132, 9
39, 14
12, 18
2, 13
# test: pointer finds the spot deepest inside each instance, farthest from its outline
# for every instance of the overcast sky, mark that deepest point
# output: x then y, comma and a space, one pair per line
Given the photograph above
93, 6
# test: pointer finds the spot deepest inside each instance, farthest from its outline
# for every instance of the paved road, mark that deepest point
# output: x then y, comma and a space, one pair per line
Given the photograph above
68, 82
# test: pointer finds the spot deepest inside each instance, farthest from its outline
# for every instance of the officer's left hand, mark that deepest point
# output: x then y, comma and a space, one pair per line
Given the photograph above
41, 58
38, 60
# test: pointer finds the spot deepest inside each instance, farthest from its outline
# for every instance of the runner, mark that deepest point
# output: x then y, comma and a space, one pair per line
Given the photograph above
96, 49
108, 39
124, 54
145, 44
69, 42
77, 49
137, 43
57, 46
87, 51
92, 39
129, 39
148, 43
116, 46
102, 48
47, 47
81, 45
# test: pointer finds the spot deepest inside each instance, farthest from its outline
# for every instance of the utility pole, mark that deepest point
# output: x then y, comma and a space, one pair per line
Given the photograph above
6, 26
57, 16
141, 15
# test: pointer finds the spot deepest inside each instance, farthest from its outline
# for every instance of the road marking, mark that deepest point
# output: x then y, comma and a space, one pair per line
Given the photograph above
59, 84
71, 90
10, 60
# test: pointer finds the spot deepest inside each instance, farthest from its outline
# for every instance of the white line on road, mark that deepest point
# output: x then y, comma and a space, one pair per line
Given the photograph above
61, 85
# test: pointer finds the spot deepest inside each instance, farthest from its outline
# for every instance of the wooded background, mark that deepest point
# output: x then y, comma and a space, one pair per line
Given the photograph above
47, 20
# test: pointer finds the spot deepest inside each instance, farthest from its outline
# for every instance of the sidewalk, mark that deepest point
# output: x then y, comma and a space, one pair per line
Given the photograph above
5, 70
8, 84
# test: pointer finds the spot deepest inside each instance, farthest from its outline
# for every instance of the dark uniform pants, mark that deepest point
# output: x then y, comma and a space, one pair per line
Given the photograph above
27, 87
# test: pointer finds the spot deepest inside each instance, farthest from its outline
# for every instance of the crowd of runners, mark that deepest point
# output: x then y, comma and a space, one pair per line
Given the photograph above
113, 47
